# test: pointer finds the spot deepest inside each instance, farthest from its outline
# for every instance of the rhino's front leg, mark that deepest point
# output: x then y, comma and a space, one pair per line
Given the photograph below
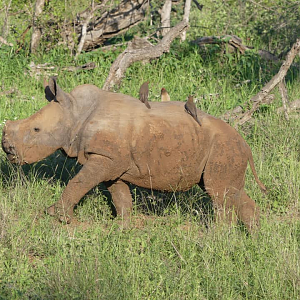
95, 170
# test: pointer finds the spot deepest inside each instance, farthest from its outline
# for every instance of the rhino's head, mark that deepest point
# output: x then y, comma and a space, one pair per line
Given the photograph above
32, 139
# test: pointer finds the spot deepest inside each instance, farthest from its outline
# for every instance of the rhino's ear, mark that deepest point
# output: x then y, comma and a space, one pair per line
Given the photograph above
54, 92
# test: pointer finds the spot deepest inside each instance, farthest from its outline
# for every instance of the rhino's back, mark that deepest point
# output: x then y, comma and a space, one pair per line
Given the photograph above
164, 147
168, 149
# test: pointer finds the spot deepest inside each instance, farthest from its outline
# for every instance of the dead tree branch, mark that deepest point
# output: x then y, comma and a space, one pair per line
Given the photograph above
259, 97
199, 6
234, 42
131, 55
5, 93
46, 70
294, 106
21, 41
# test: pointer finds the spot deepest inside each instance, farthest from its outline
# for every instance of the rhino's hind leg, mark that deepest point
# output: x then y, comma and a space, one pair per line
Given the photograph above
248, 211
223, 179
230, 204
122, 199
233, 204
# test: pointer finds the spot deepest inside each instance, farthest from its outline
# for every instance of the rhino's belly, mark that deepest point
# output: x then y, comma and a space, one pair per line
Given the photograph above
167, 170
167, 181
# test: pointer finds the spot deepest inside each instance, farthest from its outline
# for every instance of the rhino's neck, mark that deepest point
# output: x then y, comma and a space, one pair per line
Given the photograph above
81, 116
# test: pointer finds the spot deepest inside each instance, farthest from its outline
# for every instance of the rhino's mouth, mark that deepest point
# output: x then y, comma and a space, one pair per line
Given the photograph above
11, 152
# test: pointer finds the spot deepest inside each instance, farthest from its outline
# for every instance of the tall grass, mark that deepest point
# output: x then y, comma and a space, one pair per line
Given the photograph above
174, 249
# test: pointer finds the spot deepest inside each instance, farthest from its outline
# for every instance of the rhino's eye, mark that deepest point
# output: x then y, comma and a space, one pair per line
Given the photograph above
36, 129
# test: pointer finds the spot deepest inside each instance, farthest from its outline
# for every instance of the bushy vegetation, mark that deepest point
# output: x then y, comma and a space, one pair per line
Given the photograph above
174, 249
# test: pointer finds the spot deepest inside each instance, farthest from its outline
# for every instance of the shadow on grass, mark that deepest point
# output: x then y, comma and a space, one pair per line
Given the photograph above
58, 168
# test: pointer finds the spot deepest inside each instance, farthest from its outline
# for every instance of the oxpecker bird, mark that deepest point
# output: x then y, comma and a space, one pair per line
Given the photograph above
190, 108
164, 96
144, 92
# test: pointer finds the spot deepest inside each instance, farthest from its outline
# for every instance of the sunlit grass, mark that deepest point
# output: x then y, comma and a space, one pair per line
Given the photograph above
174, 249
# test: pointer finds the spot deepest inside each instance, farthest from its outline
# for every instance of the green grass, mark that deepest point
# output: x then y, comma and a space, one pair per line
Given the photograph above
174, 249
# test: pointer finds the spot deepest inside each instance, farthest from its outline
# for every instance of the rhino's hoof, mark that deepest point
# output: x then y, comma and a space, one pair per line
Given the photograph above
50, 210
65, 219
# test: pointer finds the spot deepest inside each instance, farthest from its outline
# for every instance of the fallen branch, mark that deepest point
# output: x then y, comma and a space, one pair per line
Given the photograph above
131, 55
234, 42
231, 116
112, 47
259, 97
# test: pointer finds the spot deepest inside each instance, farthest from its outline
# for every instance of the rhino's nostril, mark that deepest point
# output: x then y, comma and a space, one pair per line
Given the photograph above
8, 147
11, 149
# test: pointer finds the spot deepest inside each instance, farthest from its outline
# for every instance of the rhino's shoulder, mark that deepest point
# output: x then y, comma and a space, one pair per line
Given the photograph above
90, 91
85, 90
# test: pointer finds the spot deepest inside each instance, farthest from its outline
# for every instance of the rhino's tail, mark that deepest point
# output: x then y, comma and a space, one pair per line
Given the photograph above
251, 162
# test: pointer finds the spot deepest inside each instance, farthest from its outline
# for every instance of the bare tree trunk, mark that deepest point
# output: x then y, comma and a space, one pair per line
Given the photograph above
6, 22
165, 16
187, 9
36, 30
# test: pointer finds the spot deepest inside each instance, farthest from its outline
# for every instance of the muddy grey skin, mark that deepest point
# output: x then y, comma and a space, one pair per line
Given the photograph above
118, 140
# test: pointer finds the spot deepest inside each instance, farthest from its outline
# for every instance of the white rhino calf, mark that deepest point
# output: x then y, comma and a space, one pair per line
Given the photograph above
118, 140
